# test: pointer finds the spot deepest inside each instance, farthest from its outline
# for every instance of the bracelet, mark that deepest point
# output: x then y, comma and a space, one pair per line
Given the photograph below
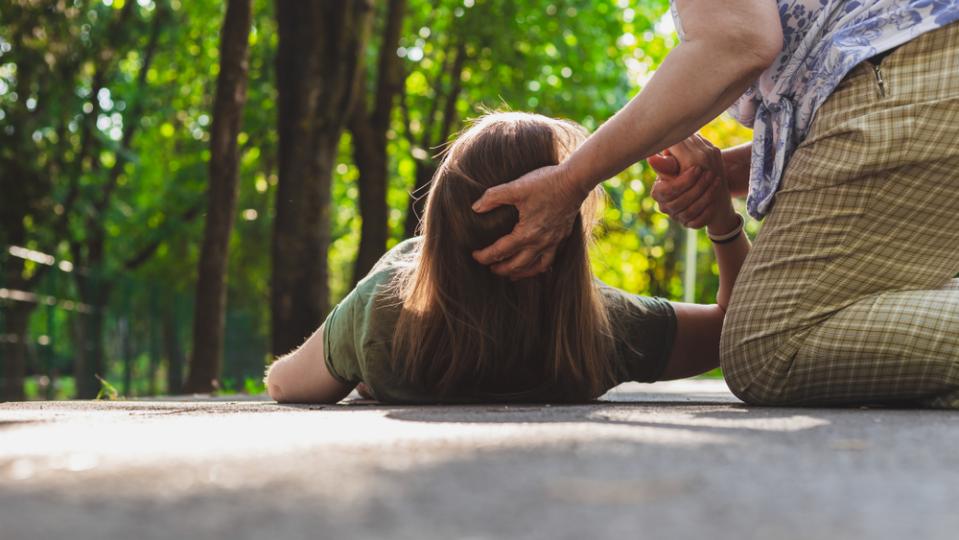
730, 236
728, 240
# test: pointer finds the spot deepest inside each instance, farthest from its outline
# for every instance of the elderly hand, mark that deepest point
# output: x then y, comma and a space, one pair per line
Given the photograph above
548, 203
691, 186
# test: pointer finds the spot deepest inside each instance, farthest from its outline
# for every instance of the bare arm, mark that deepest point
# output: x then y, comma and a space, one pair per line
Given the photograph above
696, 345
698, 326
737, 160
302, 375
729, 257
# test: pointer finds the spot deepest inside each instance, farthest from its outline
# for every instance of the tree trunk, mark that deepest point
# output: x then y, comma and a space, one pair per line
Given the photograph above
369, 153
369, 143
173, 353
90, 363
94, 291
154, 337
17, 315
126, 345
22, 190
208, 318
154, 362
78, 336
319, 57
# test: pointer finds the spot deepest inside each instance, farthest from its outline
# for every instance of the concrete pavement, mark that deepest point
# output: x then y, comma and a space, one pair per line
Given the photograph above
670, 460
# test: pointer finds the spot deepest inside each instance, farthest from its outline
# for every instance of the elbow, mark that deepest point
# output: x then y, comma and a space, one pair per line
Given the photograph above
275, 392
763, 47
758, 45
752, 51
272, 383
748, 50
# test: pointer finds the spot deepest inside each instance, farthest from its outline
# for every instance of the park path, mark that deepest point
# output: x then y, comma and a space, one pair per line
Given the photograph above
669, 460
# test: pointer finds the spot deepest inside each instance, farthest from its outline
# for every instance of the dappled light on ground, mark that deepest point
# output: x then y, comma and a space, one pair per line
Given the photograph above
644, 462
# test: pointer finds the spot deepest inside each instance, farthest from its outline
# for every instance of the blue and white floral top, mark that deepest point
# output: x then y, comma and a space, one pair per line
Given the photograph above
822, 41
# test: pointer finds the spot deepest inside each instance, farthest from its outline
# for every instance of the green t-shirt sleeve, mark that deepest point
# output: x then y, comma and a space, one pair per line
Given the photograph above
644, 329
359, 329
354, 334
339, 341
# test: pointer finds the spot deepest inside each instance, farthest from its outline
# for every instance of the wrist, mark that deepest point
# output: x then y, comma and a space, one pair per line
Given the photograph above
574, 181
725, 221
736, 163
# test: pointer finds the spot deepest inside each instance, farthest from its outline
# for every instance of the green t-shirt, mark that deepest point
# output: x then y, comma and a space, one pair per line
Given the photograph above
359, 333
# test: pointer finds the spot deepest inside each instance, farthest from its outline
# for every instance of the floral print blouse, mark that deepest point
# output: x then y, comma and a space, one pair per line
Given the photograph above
822, 41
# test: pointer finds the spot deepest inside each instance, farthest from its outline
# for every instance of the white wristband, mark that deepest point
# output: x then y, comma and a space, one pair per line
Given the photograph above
723, 238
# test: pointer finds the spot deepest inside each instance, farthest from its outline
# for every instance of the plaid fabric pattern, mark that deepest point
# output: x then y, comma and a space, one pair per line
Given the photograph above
848, 294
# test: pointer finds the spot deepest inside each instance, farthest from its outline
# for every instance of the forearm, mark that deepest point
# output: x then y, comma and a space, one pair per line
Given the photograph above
694, 85
729, 257
737, 161
696, 343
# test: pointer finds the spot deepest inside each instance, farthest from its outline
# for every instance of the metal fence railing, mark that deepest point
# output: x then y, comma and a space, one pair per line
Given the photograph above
145, 333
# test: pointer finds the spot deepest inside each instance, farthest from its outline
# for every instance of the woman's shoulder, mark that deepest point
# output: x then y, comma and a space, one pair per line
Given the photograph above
381, 278
402, 255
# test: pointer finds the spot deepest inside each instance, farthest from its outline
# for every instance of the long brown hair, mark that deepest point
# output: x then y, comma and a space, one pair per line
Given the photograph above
464, 330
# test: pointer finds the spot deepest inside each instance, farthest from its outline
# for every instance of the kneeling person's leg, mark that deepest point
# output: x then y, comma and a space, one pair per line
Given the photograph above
892, 346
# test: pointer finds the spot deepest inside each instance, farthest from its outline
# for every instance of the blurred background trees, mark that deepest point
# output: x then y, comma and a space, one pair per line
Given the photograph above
117, 142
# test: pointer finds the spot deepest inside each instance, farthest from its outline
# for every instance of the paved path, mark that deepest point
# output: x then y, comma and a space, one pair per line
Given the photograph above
673, 460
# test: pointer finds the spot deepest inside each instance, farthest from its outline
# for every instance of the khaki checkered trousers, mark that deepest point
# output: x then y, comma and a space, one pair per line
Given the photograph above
849, 296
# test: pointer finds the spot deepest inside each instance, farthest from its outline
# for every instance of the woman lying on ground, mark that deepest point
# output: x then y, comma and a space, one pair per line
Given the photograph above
429, 324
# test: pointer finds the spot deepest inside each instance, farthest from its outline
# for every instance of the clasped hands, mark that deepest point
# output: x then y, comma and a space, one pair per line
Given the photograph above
690, 187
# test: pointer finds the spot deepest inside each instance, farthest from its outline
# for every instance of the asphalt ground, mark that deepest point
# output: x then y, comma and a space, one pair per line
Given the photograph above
669, 460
